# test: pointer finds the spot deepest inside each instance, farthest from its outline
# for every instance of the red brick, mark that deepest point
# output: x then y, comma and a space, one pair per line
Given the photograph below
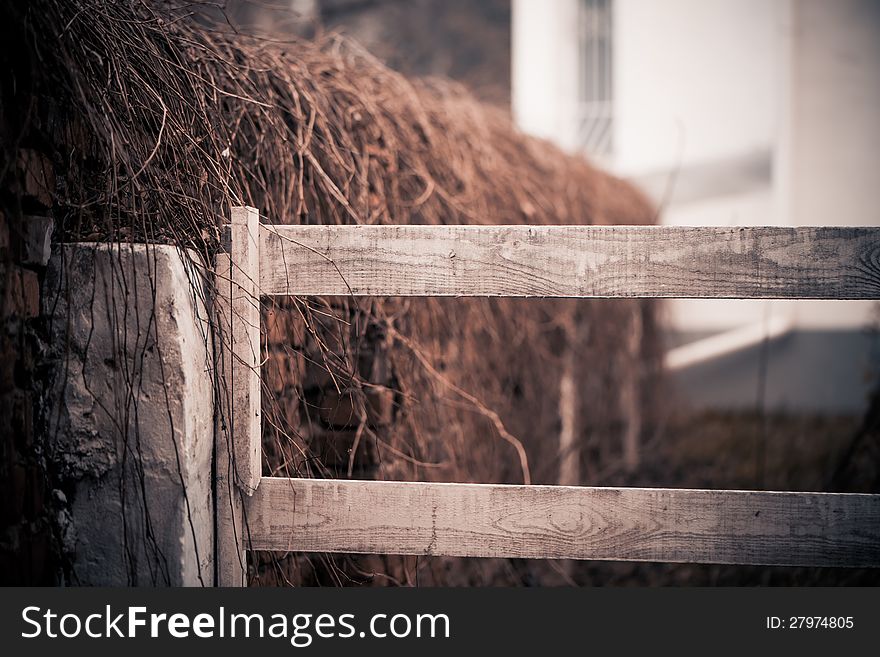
36, 176
342, 411
22, 293
334, 447
284, 324
31, 291
380, 406
275, 371
283, 369
338, 410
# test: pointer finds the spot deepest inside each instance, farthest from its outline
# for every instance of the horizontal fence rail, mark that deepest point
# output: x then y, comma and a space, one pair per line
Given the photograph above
571, 261
566, 522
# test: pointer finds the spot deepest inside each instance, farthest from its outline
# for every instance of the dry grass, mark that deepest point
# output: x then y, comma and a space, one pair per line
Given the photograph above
161, 119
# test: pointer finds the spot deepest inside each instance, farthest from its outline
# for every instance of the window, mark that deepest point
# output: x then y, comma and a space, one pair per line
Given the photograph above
595, 102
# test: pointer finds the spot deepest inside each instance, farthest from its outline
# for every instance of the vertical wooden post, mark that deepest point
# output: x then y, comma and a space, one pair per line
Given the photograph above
230, 558
244, 303
630, 389
569, 448
569, 437
238, 450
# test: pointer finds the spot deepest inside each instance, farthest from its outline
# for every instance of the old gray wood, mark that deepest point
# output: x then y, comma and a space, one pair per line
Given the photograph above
237, 274
633, 524
229, 559
237, 464
571, 261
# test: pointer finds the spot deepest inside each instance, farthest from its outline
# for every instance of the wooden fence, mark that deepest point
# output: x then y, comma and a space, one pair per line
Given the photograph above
635, 524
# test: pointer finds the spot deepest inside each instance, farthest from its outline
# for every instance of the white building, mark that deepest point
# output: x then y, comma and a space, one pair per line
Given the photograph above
747, 112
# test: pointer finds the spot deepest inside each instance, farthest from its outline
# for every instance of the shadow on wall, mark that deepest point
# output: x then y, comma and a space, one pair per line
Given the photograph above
808, 371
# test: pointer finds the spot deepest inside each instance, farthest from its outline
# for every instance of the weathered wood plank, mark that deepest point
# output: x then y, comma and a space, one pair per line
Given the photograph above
230, 559
632, 524
239, 310
229, 554
571, 261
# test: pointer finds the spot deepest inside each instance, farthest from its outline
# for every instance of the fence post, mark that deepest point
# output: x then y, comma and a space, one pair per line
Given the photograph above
630, 390
238, 449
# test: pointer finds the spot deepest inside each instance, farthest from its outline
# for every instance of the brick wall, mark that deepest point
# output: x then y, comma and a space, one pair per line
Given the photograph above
29, 511
325, 411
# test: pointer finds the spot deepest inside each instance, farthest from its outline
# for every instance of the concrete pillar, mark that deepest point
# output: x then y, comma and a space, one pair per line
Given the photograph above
131, 414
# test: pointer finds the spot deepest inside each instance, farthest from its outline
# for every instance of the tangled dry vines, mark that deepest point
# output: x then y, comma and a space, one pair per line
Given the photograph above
162, 118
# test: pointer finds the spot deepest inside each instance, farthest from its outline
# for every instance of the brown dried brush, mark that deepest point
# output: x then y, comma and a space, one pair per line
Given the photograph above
163, 119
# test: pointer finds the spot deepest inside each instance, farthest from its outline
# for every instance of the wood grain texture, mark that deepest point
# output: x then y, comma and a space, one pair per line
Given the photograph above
632, 524
230, 560
239, 311
571, 261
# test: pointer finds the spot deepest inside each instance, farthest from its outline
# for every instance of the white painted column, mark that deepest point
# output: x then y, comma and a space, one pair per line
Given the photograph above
545, 64
131, 414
